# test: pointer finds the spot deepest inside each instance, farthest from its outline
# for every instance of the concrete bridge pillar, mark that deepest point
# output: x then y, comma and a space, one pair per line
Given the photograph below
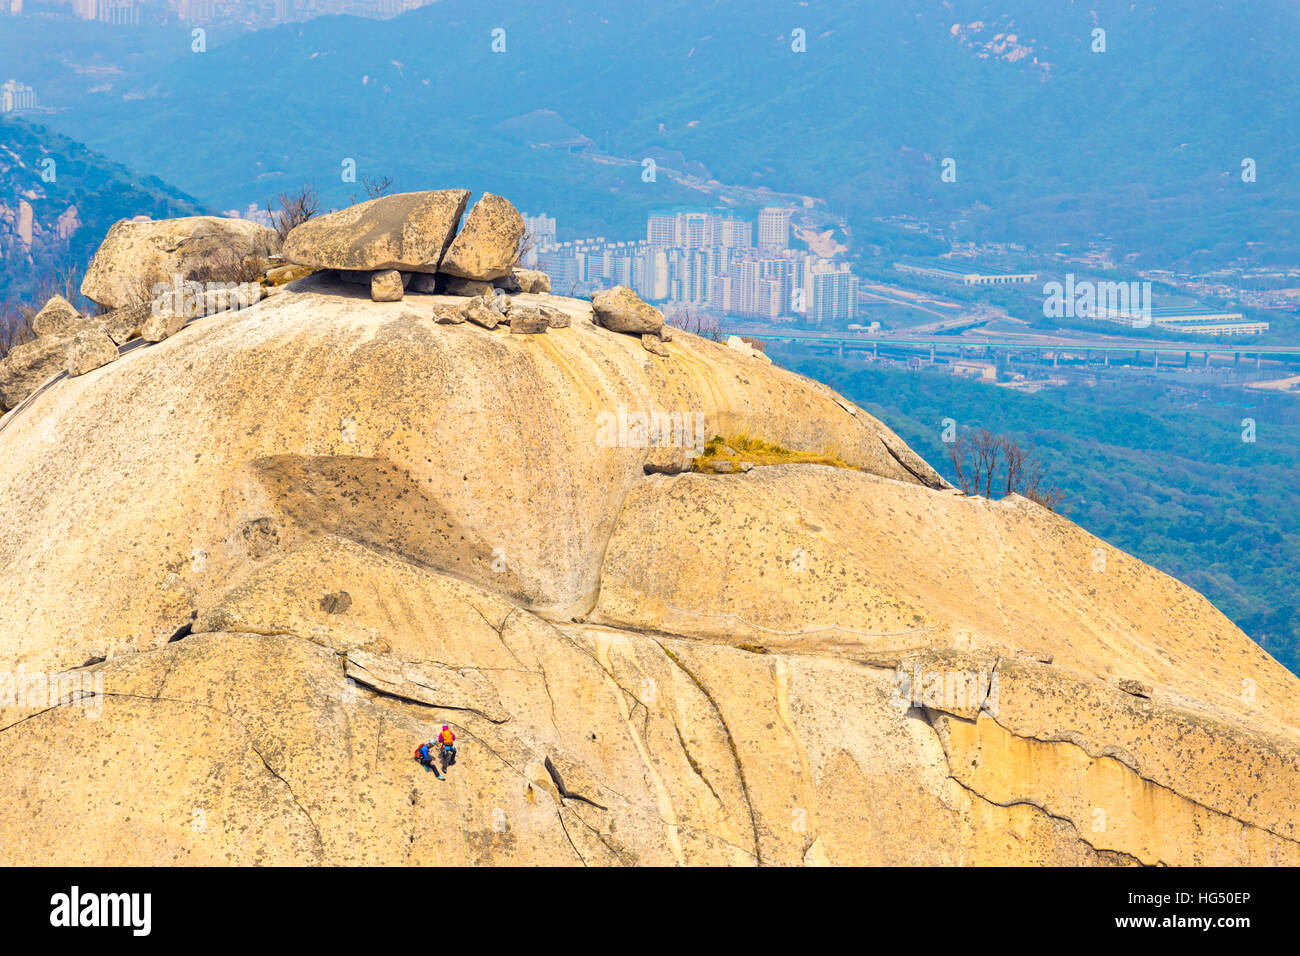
931, 354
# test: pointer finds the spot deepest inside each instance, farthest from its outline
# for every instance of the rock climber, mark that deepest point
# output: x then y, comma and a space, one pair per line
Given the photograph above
425, 754
448, 741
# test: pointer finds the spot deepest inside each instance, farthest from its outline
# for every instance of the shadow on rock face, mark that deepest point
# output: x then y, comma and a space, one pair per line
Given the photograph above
378, 503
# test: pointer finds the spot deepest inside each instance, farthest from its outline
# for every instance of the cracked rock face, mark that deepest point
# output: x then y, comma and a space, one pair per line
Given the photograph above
408, 231
441, 524
488, 244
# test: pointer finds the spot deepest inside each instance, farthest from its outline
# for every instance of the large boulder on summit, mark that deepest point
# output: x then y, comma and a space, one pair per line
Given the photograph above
407, 231
136, 257
621, 310
488, 244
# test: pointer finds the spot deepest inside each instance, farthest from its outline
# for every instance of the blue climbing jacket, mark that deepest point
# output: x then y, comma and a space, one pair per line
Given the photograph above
423, 753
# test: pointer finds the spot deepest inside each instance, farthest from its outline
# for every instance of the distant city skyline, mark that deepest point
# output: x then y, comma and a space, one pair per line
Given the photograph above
705, 259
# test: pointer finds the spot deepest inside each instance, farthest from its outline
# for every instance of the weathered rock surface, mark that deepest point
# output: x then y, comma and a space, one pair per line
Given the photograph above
736, 343
621, 310
480, 312
454, 285
58, 318
640, 668
531, 280
556, 318
652, 343
279, 275
448, 315
137, 256
88, 351
407, 231
528, 321
125, 324
386, 286
488, 244
26, 367
163, 322
29, 365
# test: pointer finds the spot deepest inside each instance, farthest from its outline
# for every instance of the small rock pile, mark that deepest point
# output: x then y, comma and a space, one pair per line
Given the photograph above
65, 340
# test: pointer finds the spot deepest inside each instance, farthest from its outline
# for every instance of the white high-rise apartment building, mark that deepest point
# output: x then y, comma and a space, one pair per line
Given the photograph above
697, 230
16, 96
542, 228
774, 229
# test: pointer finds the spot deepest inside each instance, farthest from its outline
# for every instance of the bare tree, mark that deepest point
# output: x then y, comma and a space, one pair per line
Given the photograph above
957, 452
986, 448
983, 458
1034, 487
1015, 459
295, 209
15, 326
703, 324
527, 243
377, 187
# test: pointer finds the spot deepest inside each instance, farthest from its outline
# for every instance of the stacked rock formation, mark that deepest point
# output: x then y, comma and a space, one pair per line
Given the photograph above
413, 242
419, 237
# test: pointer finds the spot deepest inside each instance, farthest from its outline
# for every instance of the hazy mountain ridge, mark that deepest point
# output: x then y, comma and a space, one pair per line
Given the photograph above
1048, 153
58, 200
